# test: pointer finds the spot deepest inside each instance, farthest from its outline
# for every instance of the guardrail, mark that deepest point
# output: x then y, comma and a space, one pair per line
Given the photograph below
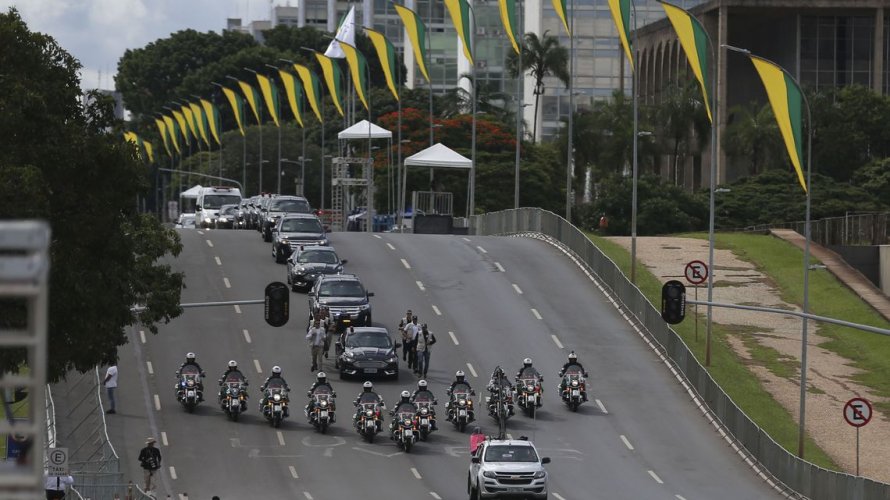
851, 229
800, 476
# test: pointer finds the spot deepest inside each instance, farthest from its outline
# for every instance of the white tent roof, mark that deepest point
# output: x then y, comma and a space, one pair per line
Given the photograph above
192, 192
438, 155
360, 131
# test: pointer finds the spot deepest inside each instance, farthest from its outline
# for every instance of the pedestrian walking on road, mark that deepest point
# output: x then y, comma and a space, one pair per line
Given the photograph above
110, 383
56, 486
422, 347
402, 324
410, 333
316, 337
150, 460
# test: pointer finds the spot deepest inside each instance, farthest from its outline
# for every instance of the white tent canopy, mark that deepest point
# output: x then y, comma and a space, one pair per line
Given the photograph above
360, 131
438, 155
192, 192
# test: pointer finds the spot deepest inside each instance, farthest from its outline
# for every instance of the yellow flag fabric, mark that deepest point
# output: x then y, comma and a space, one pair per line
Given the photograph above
293, 95
235, 101
387, 55
171, 130
621, 12
270, 95
183, 128
508, 12
198, 114
331, 72
162, 129
358, 67
312, 88
460, 13
416, 31
190, 120
694, 41
252, 98
213, 122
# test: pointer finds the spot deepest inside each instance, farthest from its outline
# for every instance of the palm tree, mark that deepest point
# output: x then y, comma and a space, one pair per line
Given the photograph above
682, 120
752, 133
489, 100
541, 57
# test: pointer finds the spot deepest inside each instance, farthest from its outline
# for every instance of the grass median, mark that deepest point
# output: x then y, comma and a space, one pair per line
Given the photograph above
727, 368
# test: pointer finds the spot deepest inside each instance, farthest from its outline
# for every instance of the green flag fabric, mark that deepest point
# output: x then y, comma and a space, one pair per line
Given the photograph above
621, 14
417, 35
213, 121
312, 87
270, 96
294, 91
332, 77
460, 13
387, 55
237, 107
694, 40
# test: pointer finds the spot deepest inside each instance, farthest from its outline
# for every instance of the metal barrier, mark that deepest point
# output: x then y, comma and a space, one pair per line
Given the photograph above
804, 478
852, 229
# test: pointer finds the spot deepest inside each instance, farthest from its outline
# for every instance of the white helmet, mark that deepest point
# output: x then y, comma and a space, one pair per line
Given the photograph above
190, 356
527, 361
406, 394
572, 356
421, 384
459, 374
233, 364
321, 376
276, 370
368, 385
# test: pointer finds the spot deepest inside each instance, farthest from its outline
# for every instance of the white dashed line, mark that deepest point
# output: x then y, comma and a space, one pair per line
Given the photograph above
626, 442
157, 403
437, 311
602, 407
218, 262
256, 364
200, 232
536, 313
164, 439
226, 281
680, 497
406, 264
518, 290
500, 267
435, 495
307, 495
293, 471
416, 474
172, 472
280, 438
556, 341
237, 309
472, 370
481, 249
557, 496
655, 477
420, 285
151, 369
378, 236
466, 239
209, 243
454, 338
142, 336
246, 336
390, 246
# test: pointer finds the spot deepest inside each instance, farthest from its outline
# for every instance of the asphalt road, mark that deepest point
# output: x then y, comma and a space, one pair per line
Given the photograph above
490, 301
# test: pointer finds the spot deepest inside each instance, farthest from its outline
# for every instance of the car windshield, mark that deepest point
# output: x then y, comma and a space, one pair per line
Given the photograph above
341, 289
317, 257
301, 226
298, 206
511, 453
228, 210
368, 339
214, 201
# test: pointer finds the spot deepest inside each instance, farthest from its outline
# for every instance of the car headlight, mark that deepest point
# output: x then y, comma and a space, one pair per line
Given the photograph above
323, 242
540, 474
349, 356
301, 270
489, 474
276, 397
392, 359
207, 219
364, 307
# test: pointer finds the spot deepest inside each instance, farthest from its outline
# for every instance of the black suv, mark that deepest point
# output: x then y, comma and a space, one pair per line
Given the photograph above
307, 263
345, 297
277, 208
294, 230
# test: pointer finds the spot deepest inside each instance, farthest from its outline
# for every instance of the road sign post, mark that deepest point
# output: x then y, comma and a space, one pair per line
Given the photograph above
857, 412
696, 273
57, 462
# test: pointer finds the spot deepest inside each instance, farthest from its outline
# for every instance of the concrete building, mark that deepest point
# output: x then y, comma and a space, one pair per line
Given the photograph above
823, 43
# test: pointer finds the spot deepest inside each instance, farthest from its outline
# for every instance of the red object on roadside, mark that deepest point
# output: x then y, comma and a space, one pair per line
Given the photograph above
475, 441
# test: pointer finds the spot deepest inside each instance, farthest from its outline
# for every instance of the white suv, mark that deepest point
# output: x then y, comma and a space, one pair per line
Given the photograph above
507, 468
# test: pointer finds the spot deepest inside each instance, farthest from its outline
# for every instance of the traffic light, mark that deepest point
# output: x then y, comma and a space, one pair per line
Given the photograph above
673, 302
277, 305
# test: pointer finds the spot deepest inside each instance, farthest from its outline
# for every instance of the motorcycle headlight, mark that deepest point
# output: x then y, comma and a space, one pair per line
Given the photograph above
489, 474
323, 404
424, 411
406, 423
540, 474
369, 413
530, 388
462, 402
574, 383
276, 398
191, 383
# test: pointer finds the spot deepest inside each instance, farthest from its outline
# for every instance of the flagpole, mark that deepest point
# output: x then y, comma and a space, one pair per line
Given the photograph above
520, 107
635, 175
278, 104
400, 205
711, 202
472, 200
429, 48
570, 160
370, 164
322, 150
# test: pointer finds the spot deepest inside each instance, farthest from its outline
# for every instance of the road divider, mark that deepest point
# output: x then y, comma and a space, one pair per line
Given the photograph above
390, 246
500, 267
602, 407
172, 472
557, 496
378, 237
293, 472
307, 495
465, 238
626, 442
151, 370
237, 309
536, 313
142, 336
406, 264
416, 474
226, 281
481, 249
280, 438
435, 495
164, 439
420, 285
556, 341
218, 262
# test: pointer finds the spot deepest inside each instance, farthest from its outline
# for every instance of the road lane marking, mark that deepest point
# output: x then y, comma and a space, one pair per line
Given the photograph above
200, 232
556, 341
557, 496
172, 472
536, 313
602, 407
378, 236
390, 246
406, 264
465, 239
680, 497
477, 246
435, 495
209, 243
256, 363
454, 338
472, 370
626, 442
416, 474
142, 336
307, 495
237, 309
226, 281
246, 336
500, 267
157, 403
518, 290
164, 439
218, 262
280, 438
437, 311
420, 285
151, 369
655, 477
293, 471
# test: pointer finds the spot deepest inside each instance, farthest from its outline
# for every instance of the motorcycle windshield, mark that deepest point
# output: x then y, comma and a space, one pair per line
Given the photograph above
461, 389
529, 373
321, 393
368, 398
528, 381
423, 398
573, 372
234, 378
276, 384
405, 415
189, 370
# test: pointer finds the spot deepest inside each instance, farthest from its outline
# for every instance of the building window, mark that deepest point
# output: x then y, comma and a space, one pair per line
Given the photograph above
836, 51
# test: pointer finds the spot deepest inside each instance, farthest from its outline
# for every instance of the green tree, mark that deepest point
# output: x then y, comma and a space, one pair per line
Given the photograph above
541, 57
60, 163
682, 124
663, 208
752, 136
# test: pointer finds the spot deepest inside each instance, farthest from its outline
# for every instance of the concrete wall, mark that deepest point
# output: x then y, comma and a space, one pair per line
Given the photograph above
884, 268
863, 258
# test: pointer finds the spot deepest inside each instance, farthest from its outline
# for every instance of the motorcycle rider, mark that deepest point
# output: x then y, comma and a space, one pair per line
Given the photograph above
500, 383
367, 396
190, 361
459, 378
275, 380
423, 390
528, 371
573, 361
403, 406
321, 380
232, 374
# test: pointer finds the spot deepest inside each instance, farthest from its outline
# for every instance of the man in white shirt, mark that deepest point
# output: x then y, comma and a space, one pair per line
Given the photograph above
110, 383
316, 336
56, 486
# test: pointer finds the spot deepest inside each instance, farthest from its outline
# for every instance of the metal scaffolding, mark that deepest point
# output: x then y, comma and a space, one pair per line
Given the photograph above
346, 182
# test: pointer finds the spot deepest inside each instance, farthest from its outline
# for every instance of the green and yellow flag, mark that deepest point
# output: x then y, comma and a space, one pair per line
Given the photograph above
237, 108
294, 92
621, 14
694, 41
190, 121
387, 55
785, 98
141, 146
417, 34
358, 67
200, 122
312, 87
253, 99
332, 77
460, 16
270, 95
212, 119
508, 13
162, 129
183, 128
172, 131
560, 7
149, 151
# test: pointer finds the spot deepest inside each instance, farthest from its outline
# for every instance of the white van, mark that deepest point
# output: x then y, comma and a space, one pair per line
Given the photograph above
210, 199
